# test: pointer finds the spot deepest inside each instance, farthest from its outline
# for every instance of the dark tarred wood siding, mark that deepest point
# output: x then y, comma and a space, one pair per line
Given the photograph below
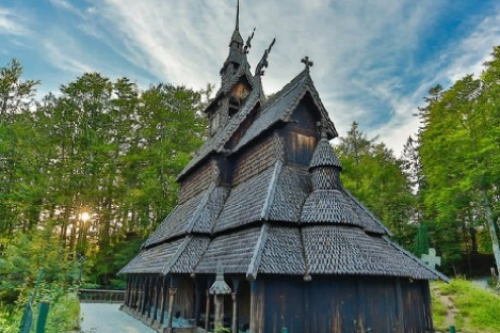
330, 304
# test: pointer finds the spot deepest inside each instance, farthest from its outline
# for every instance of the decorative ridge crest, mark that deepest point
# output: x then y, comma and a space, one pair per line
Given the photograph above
263, 63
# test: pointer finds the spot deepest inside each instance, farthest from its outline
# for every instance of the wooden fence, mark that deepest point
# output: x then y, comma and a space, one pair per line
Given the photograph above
101, 296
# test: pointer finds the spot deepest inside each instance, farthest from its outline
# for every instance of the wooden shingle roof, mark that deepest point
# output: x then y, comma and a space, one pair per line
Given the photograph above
280, 108
278, 217
216, 143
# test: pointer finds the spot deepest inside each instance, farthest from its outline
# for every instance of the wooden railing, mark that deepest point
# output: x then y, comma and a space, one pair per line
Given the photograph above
101, 296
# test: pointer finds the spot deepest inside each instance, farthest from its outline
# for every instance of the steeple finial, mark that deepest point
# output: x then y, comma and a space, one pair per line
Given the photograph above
307, 62
237, 16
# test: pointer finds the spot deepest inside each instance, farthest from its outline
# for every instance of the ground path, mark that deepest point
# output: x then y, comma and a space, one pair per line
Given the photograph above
107, 318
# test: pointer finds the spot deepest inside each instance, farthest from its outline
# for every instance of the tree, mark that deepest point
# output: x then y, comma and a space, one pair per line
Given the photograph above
95, 165
374, 175
460, 154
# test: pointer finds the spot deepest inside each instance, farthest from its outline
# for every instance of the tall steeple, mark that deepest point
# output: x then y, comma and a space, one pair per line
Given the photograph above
234, 58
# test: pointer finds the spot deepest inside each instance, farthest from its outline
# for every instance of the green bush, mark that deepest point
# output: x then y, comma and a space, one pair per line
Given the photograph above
21, 261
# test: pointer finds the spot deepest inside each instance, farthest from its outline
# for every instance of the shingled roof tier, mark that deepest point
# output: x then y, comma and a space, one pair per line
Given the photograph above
215, 144
280, 108
267, 249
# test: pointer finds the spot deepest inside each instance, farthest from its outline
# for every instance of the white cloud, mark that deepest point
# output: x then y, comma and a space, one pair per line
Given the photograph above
464, 57
65, 59
364, 51
63, 4
12, 23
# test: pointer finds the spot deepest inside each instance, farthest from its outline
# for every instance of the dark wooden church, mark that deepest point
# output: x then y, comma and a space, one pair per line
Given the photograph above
263, 199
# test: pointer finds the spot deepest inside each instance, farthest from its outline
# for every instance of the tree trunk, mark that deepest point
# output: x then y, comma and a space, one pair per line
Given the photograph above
493, 233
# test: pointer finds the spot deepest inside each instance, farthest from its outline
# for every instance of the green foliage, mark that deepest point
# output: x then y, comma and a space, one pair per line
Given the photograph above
64, 315
422, 244
101, 148
373, 174
460, 155
478, 308
21, 262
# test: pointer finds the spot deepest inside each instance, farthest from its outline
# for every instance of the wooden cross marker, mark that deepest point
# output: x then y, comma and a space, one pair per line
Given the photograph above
431, 259
307, 62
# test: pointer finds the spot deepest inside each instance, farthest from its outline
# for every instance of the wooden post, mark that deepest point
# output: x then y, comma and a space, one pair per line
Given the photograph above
152, 293
219, 312
127, 292
141, 295
132, 293
235, 314
197, 301
163, 300
171, 295
145, 299
136, 293
207, 311
234, 324
157, 298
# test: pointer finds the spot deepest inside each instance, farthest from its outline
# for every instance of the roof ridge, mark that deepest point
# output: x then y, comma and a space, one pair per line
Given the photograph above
281, 93
199, 209
307, 276
253, 267
389, 232
271, 191
166, 269
145, 243
416, 259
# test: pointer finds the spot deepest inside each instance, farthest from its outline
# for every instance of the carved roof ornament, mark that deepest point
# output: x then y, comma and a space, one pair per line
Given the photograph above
219, 287
259, 70
322, 127
248, 43
307, 62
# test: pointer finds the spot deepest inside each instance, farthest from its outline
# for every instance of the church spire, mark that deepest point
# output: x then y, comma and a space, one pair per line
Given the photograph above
234, 59
237, 27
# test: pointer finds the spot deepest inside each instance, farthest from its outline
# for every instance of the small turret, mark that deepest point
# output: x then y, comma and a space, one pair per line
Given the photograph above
234, 59
327, 203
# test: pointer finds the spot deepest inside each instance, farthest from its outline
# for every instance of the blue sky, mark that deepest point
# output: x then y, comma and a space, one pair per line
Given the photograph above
374, 60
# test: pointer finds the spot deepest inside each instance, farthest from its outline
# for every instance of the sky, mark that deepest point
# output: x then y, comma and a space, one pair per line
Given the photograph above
374, 60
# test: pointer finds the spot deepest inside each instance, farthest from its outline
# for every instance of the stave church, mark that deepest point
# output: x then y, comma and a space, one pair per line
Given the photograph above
265, 239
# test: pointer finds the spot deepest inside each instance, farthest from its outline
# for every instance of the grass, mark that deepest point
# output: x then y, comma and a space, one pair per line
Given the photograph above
439, 311
478, 308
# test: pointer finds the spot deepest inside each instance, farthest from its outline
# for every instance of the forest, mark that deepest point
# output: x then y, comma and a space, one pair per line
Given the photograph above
88, 172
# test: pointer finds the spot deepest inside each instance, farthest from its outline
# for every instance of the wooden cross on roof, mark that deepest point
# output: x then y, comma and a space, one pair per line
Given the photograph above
307, 62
